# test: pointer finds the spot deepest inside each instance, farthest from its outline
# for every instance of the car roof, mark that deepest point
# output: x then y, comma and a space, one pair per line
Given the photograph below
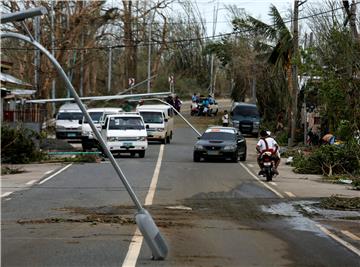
221, 129
153, 107
125, 114
244, 104
104, 109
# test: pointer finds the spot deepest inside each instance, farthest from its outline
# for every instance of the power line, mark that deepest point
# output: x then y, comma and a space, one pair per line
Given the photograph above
146, 44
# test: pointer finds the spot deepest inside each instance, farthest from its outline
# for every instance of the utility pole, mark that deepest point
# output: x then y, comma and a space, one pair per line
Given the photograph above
149, 53
53, 82
212, 89
109, 70
295, 72
37, 52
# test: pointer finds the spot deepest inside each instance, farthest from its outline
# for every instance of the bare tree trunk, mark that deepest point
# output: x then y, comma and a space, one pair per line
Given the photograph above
130, 48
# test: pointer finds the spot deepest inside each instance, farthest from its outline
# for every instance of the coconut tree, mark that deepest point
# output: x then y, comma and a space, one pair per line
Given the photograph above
273, 42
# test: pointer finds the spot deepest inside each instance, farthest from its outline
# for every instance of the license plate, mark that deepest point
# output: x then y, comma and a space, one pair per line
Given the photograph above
213, 152
71, 134
128, 144
267, 163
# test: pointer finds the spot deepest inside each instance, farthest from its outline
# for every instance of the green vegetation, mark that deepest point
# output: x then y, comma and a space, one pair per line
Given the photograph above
339, 203
18, 145
10, 170
330, 160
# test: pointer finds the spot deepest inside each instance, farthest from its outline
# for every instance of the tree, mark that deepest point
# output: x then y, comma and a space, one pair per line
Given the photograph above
274, 44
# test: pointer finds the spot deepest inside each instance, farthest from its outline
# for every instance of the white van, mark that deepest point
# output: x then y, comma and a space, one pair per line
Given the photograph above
125, 133
67, 122
159, 120
88, 138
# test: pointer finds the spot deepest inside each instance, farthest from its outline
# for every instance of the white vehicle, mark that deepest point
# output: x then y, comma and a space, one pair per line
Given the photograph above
159, 120
67, 122
88, 138
125, 133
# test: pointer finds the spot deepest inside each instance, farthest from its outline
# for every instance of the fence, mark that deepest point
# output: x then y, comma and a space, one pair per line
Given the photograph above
27, 115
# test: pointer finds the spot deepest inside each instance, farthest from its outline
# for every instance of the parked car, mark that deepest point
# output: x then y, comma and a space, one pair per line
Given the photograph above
220, 142
246, 118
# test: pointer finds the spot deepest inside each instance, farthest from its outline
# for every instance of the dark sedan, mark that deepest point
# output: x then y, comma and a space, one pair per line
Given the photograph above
220, 142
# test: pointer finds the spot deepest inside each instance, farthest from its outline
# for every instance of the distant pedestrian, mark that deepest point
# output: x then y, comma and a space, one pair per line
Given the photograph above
177, 103
225, 119
194, 98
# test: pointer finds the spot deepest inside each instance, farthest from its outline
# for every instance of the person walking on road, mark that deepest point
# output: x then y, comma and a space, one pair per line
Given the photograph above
225, 119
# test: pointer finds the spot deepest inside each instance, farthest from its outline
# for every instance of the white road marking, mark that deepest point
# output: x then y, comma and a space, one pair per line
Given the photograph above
273, 183
56, 173
134, 250
31, 182
49, 172
150, 195
251, 165
261, 182
290, 194
6, 194
136, 242
338, 239
351, 235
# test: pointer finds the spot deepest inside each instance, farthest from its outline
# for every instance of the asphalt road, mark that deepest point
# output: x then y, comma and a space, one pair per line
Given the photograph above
211, 214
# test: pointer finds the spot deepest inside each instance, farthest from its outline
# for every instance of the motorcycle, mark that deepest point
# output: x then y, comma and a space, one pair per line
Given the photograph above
268, 164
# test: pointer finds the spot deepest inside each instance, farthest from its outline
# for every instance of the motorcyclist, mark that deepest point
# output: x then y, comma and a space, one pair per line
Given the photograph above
267, 143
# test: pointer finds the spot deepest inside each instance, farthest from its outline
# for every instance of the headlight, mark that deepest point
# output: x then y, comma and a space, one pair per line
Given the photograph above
86, 133
235, 124
231, 147
159, 129
142, 138
256, 123
198, 147
240, 140
111, 139
60, 127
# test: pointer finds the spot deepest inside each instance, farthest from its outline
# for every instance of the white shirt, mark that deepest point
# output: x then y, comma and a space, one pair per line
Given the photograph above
225, 118
271, 144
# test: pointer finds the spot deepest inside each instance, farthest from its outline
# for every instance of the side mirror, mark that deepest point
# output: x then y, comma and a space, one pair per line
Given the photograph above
199, 137
232, 113
80, 121
166, 120
147, 126
103, 127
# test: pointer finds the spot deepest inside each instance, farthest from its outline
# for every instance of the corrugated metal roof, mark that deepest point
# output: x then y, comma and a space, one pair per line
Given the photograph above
4, 77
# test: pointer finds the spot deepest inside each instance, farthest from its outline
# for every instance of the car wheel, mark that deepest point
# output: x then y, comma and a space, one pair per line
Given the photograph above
196, 157
243, 157
141, 153
235, 157
163, 141
168, 139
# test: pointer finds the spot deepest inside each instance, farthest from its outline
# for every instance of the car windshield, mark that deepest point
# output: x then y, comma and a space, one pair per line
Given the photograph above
152, 117
246, 111
123, 123
95, 116
218, 136
70, 116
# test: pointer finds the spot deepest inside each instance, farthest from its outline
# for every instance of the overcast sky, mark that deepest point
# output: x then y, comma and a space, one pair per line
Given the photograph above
256, 8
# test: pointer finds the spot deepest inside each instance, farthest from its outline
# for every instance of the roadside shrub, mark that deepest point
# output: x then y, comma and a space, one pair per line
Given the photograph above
18, 146
330, 160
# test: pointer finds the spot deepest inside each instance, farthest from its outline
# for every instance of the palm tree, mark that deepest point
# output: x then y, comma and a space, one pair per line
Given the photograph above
274, 42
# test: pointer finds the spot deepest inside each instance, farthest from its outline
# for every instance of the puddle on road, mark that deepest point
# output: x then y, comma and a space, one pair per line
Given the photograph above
293, 217
301, 214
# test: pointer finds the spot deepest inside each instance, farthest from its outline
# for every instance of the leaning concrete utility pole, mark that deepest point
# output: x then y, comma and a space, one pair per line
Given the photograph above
295, 73
144, 221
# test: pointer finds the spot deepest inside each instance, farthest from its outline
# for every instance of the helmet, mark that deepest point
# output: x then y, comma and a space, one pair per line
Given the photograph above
263, 133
